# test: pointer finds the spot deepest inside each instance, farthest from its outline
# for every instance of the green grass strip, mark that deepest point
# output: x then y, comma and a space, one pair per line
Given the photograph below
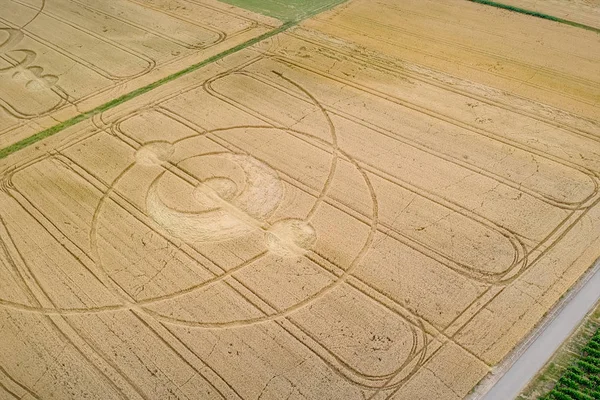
285, 10
295, 20
536, 14
138, 92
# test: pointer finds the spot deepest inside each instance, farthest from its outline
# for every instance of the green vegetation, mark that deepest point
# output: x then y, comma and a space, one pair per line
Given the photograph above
286, 10
535, 14
581, 380
291, 11
138, 92
562, 367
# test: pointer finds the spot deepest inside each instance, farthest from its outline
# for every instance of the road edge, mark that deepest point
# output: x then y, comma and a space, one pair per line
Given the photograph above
485, 386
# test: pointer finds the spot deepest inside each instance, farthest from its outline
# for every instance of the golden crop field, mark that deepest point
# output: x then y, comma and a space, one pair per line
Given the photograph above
78, 54
378, 203
585, 12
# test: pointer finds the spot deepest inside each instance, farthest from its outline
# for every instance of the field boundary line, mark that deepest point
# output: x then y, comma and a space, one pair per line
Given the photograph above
5, 152
485, 389
535, 14
137, 92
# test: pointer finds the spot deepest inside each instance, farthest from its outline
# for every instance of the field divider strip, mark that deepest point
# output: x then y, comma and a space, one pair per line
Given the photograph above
5, 152
535, 14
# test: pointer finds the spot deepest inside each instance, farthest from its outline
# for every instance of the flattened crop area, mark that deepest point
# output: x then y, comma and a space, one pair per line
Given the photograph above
317, 216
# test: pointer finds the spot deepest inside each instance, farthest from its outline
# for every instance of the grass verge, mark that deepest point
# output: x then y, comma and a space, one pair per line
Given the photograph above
535, 14
285, 10
564, 377
295, 20
137, 92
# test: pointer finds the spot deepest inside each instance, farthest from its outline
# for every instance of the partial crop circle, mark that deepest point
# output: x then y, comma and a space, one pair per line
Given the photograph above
227, 199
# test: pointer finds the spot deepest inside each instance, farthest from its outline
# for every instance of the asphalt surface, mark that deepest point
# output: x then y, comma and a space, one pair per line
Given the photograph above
541, 349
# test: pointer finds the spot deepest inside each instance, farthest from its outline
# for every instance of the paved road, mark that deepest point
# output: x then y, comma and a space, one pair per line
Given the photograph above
549, 340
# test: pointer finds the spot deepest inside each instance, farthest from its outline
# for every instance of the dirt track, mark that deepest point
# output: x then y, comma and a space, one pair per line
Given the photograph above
327, 214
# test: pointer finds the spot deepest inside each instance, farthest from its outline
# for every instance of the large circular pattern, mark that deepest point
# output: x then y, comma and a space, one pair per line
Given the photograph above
232, 194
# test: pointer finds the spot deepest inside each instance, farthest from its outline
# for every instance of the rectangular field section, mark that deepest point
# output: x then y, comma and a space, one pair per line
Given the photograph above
302, 219
63, 57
